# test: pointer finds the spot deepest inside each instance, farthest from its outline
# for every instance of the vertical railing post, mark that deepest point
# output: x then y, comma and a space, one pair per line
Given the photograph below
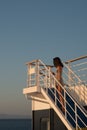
28, 75
49, 77
69, 75
37, 74
45, 81
38, 80
65, 104
76, 116
55, 92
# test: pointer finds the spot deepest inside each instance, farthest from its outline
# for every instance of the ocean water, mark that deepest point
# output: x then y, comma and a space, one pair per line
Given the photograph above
15, 124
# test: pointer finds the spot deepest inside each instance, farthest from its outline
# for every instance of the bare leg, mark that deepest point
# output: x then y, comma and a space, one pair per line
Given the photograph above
60, 91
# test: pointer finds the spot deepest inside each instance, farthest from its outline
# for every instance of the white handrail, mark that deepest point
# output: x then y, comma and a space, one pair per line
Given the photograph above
44, 78
77, 105
79, 67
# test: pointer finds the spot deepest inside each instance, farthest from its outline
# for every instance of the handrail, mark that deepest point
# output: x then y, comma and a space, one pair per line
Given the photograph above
76, 59
43, 77
79, 67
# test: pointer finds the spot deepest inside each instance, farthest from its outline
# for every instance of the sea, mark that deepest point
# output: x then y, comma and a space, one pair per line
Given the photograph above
15, 124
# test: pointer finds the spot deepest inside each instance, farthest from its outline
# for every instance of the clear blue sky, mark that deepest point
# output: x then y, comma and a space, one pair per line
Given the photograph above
36, 29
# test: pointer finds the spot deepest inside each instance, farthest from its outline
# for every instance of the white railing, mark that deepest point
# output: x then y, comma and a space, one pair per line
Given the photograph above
41, 75
79, 68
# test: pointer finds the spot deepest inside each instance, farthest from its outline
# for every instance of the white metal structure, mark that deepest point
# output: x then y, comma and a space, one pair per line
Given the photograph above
41, 85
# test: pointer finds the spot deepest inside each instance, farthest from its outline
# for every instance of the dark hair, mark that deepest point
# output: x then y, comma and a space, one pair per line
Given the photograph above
57, 62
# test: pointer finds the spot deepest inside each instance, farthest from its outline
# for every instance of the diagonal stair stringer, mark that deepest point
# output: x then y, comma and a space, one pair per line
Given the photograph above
61, 116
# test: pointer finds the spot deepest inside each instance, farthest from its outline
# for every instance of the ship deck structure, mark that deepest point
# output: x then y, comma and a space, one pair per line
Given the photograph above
46, 105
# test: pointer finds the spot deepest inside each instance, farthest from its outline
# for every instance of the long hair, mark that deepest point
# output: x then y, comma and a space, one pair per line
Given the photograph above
57, 62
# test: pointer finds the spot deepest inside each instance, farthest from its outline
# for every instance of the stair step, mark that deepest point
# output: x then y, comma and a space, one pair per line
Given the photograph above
70, 107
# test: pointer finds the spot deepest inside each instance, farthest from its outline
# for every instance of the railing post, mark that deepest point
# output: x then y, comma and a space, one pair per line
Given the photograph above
28, 76
76, 117
49, 77
69, 74
46, 81
37, 74
65, 104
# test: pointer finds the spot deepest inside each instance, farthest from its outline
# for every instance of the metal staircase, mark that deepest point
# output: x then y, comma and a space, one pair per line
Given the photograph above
41, 83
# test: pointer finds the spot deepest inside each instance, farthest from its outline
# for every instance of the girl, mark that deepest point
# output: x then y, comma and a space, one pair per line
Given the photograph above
59, 67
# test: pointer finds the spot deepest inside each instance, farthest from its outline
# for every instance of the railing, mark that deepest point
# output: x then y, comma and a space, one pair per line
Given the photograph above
41, 75
79, 68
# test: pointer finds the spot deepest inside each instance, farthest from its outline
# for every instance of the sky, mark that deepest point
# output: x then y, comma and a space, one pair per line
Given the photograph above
36, 29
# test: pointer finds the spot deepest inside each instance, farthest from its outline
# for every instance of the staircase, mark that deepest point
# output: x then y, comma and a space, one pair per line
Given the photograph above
41, 83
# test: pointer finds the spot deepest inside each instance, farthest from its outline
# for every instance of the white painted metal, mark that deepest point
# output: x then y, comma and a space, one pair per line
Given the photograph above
43, 79
40, 105
66, 123
79, 66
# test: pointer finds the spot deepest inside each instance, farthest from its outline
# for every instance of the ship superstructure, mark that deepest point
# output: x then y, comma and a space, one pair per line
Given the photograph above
46, 106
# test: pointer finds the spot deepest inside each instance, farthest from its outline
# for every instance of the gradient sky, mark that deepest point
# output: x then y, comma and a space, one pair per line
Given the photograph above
36, 29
